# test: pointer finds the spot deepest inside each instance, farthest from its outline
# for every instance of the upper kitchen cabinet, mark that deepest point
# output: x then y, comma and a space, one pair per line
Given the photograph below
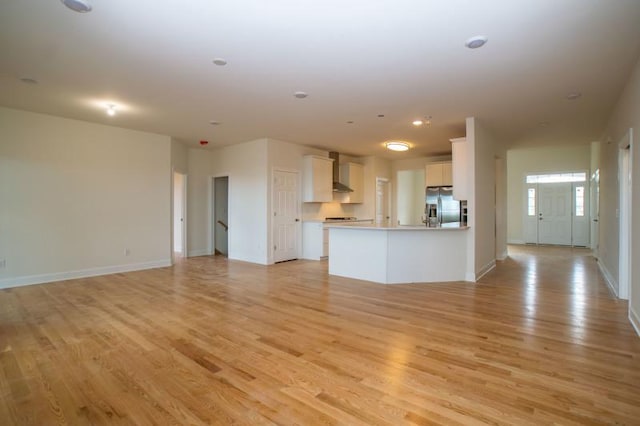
439, 174
460, 168
352, 175
317, 179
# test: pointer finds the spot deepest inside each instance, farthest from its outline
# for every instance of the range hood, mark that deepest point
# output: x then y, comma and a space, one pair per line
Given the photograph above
337, 186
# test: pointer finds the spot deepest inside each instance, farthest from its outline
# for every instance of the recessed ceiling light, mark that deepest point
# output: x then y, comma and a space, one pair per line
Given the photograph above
300, 95
214, 122
80, 6
350, 122
397, 145
220, 62
417, 123
476, 42
380, 115
574, 95
543, 123
111, 110
28, 80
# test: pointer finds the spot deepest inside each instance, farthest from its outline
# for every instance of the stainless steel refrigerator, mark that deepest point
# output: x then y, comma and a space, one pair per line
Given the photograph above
448, 208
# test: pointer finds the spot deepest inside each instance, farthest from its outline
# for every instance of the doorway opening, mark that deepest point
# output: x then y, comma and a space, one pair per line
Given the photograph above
179, 248
556, 209
220, 224
625, 168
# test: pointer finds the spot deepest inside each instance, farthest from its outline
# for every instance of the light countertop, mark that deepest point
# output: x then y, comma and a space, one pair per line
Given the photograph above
455, 226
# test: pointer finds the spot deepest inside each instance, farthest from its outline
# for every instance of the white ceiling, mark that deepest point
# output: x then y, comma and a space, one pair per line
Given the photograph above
355, 58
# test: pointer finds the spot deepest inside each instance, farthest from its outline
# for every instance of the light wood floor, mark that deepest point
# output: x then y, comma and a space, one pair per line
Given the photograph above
538, 340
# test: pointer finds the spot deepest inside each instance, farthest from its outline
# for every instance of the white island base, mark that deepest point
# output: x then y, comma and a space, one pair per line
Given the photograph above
394, 255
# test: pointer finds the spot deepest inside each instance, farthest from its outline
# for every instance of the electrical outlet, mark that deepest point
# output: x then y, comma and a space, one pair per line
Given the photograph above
3, 263
127, 252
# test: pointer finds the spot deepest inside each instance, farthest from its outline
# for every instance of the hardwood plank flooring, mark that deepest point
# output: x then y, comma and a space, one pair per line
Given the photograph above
539, 340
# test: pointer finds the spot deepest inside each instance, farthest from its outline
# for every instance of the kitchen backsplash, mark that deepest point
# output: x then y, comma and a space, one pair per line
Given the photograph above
318, 211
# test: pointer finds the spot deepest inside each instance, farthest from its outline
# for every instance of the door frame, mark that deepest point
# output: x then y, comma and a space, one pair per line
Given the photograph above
211, 214
183, 224
271, 224
625, 168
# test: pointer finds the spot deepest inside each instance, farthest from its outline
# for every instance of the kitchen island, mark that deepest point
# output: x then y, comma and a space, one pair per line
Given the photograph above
398, 254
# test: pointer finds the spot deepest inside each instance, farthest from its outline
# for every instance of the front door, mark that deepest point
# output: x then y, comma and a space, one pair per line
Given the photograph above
286, 221
554, 213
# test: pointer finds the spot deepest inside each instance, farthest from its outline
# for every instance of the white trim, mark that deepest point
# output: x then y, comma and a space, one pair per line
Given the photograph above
82, 273
503, 255
514, 241
485, 269
608, 278
635, 320
199, 252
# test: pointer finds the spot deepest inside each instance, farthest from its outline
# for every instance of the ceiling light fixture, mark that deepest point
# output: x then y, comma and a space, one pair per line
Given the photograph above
220, 62
476, 42
574, 95
397, 145
111, 110
300, 95
214, 122
417, 123
80, 6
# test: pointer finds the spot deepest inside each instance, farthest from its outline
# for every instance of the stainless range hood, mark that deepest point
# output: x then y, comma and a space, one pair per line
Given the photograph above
337, 186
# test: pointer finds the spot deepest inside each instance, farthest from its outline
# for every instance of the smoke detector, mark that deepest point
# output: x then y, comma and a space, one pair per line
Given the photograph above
80, 6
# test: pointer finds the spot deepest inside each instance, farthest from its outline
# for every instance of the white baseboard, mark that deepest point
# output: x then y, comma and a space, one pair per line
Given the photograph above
82, 273
485, 269
608, 278
635, 320
513, 241
200, 252
503, 255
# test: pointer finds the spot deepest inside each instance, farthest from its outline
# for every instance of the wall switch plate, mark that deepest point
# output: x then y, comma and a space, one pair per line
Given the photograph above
127, 252
3, 263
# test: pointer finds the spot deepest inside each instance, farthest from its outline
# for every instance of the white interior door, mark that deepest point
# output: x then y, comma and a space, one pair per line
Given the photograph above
286, 221
554, 213
595, 213
179, 214
383, 206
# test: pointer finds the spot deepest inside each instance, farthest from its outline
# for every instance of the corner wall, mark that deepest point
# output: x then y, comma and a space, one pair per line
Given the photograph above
626, 114
75, 195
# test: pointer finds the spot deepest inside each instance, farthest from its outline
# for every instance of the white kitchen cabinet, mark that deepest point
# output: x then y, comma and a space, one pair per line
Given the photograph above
317, 179
438, 174
315, 240
352, 175
460, 168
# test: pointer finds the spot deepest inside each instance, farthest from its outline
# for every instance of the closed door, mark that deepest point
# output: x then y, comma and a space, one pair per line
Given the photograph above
383, 207
286, 222
554, 213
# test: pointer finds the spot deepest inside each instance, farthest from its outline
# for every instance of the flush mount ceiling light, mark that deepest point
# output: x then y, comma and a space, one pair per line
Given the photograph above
397, 145
214, 122
574, 95
80, 6
417, 123
220, 62
111, 110
300, 95
476, 42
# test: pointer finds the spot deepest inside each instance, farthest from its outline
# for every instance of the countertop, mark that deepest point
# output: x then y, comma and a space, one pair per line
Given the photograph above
337, 222
454, 226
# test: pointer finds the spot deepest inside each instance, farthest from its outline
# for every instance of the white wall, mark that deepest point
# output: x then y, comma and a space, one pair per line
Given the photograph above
75, 195
521, 162
626, 114
483, 148
200, 169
